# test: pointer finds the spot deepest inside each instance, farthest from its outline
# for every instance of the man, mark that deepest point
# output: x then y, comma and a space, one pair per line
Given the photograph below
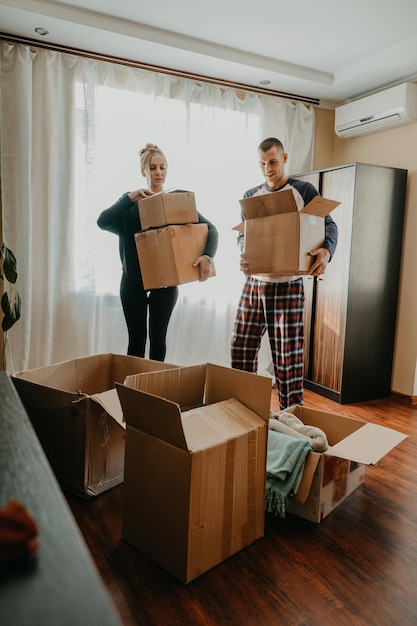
276, 303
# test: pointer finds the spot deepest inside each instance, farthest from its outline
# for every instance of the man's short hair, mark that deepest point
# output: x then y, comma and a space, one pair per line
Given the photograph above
269, 143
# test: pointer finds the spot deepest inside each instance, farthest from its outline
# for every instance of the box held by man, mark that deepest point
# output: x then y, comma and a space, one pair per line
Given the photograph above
278, 237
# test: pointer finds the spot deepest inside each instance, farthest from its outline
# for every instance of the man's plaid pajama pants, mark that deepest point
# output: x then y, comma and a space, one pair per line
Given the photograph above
276, 308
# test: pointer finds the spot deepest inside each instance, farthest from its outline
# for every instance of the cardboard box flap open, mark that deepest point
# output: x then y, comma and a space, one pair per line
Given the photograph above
350, 438
310, 466
74, 375
195, 385
284, 202
192, 430
252, 390
158, 417
268, 204
214, 424
110, 402
89, 375
184, 385
367, 445
320, 206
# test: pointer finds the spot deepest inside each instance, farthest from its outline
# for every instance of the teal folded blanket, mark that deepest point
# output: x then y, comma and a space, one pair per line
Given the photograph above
284, 470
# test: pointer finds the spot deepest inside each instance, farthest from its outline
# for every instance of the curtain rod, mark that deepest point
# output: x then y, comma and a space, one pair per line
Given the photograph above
155, 68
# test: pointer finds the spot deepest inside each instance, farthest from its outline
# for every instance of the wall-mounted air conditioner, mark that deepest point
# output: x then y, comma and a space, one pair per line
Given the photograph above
379, 111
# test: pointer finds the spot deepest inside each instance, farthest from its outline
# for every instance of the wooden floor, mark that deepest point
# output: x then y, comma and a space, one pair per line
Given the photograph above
357, 568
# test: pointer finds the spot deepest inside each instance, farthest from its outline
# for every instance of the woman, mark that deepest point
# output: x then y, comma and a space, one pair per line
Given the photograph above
123, 220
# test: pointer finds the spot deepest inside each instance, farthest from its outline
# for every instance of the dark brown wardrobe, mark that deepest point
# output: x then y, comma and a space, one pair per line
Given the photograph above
350, 314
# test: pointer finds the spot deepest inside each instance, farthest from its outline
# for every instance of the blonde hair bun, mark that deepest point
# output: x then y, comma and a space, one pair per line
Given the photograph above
149, 150
149, 146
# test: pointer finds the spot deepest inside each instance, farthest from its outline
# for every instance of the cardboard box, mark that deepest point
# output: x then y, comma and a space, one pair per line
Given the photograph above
330, 477
166, 255
167, 208
76, 413
278, 237
194, 491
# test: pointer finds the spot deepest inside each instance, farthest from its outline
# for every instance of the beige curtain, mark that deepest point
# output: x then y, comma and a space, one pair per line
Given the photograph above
56, 142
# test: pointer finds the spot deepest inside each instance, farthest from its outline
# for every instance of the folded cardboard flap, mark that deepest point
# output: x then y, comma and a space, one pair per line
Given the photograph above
214, 424
110, 402
89, 375
66, 375
310, 466
168, 394
320, 206
349, 438
192, 430
252, 390
184, 386
157, 416
367, 445
335, 426
268, 204
196, 385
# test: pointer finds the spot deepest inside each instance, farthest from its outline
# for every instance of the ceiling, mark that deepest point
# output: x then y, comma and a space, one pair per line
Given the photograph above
326, 50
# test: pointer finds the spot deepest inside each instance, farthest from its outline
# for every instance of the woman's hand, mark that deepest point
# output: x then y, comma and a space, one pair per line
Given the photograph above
205, 267
140, 194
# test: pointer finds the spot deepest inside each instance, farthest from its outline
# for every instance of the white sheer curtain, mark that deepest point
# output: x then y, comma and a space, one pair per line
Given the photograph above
71, 128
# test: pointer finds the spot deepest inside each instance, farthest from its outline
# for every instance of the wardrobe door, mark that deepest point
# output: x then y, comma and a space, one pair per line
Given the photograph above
332, 290
309, 289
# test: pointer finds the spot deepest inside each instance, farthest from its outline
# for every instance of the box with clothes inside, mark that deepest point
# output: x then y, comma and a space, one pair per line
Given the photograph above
317, 459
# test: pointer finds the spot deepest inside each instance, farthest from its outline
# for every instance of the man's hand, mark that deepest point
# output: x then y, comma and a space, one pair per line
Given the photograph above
322, 257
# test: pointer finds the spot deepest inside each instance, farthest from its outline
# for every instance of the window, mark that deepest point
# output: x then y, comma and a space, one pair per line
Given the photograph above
211, 150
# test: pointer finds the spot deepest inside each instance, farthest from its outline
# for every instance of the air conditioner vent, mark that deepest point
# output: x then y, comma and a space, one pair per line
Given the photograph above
380, 111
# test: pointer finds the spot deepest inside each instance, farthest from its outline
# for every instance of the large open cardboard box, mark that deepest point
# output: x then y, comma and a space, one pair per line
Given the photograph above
278, 237
167, 208
167, 254
194, 490
76, 413
330, 477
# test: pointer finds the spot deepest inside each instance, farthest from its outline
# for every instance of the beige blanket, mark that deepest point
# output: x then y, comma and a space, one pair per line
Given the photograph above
290, 424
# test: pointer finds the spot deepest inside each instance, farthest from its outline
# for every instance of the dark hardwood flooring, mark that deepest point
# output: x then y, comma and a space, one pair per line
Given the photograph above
357, 568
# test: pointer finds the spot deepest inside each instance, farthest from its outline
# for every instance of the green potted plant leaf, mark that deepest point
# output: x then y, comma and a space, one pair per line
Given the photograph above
11, 302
